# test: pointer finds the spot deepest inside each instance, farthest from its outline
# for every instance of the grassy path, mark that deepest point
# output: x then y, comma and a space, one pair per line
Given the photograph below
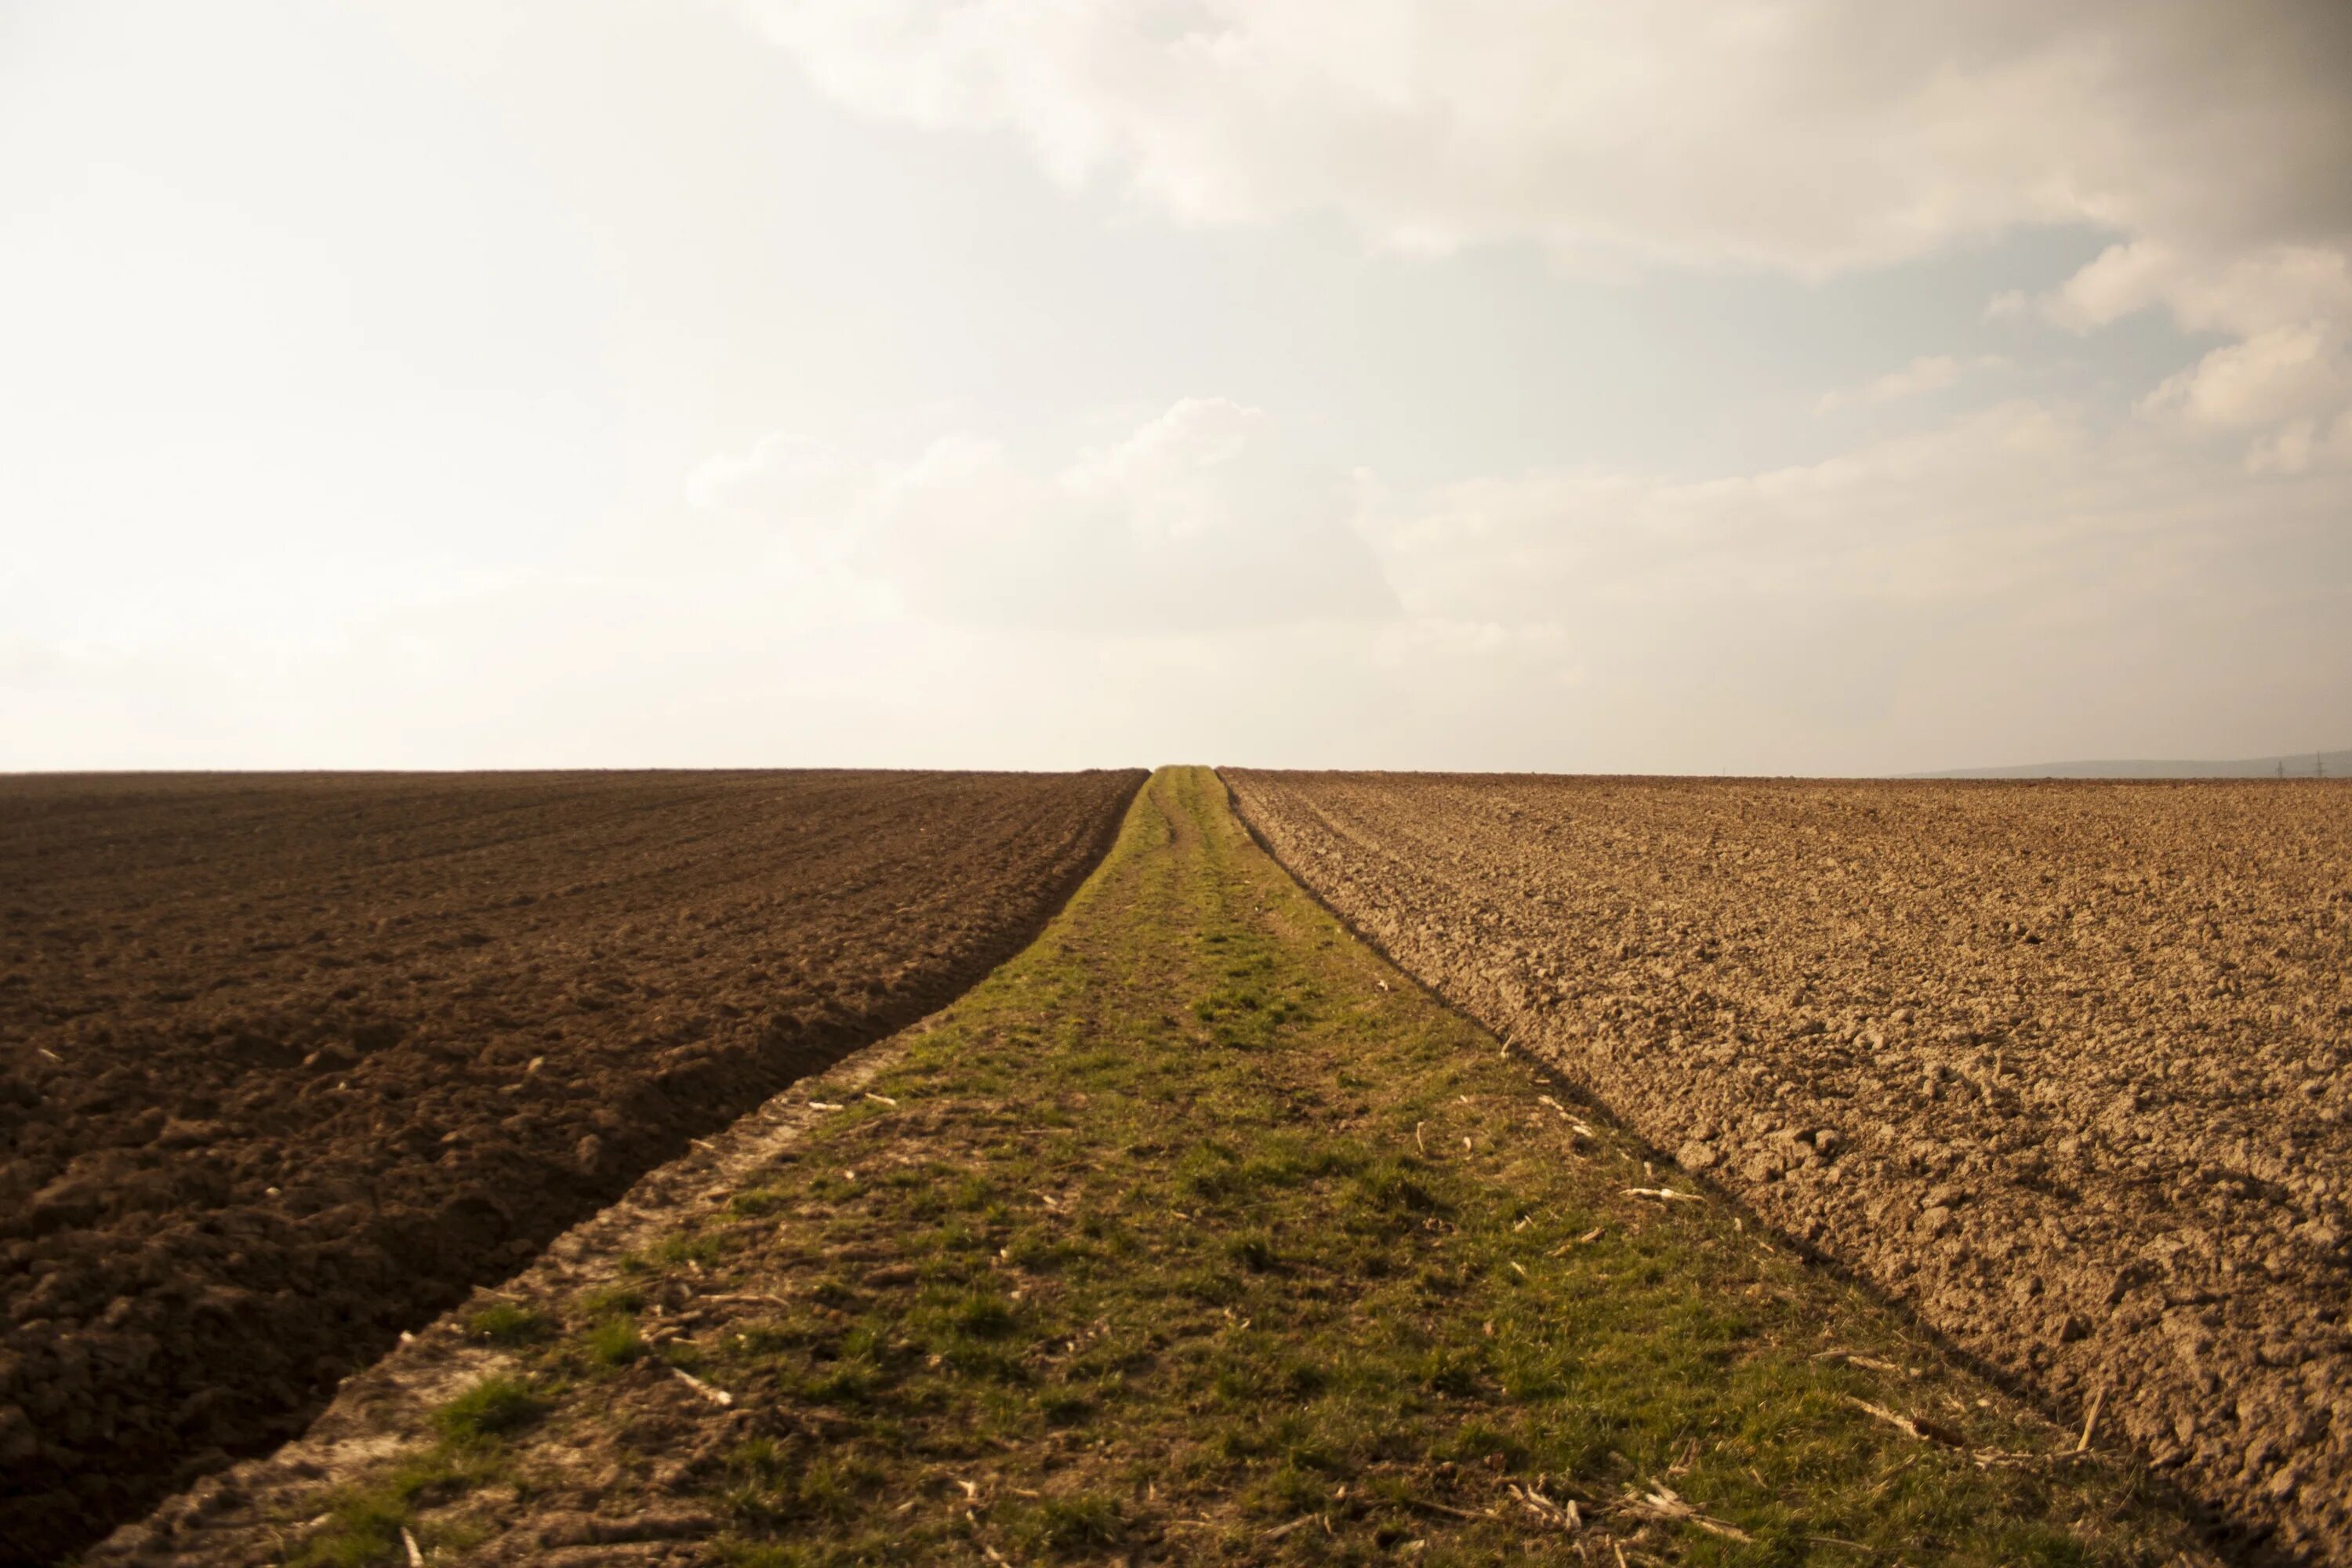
1198, 1234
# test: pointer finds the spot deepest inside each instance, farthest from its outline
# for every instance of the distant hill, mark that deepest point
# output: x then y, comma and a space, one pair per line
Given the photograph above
2300, 765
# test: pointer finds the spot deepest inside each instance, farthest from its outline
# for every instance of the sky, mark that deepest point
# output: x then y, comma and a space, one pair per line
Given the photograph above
1811, 386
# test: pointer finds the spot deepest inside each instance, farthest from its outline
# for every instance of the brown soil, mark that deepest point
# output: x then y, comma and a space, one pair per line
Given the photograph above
2061, 1064
288, 1062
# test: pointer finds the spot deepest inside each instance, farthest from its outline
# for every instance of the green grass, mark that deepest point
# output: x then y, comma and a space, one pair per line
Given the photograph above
494, 1408
1171, 1246
364, 1522
615, 1342
505, 1323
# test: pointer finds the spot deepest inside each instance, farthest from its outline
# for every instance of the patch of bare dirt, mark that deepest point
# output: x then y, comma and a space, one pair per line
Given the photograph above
2061, 1064
288, 1063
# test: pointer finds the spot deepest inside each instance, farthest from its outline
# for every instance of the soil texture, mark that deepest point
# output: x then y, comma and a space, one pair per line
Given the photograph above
1196, 1234
288, 1062
2061, 1064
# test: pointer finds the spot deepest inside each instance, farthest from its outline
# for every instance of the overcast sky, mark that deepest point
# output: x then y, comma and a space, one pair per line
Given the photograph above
1699, 387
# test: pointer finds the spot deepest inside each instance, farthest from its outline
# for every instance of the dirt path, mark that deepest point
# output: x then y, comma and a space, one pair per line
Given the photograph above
1195, 1234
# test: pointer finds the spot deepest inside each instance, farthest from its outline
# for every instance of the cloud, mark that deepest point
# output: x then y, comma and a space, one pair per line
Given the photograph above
2242, 293
2288, 309
1960, 511
1929, 373
2304, 444
2022, 577
2273, 377
774, 471
1812, 135
2025, 579
2286, 376
1198, 518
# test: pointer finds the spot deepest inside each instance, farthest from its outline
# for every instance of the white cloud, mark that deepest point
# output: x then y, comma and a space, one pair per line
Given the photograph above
2022, 573
1198, 518
692, 250
2019, 580
1959, 510
2273, 377
1928, 373
2288, 309
2242, 293
2303, 444
774, 471
1812, 135
1806, 135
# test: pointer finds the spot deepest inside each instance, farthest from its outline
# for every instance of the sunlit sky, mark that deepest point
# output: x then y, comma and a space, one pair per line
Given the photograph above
1702, 387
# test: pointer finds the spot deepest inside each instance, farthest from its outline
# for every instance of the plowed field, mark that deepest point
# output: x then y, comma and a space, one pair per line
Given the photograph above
2063, 1065
288, 1063
1195, 1235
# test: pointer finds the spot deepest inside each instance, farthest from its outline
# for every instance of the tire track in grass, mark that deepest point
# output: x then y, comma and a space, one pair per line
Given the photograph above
1198, 1234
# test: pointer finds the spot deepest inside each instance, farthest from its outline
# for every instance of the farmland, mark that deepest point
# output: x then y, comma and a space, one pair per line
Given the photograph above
288, 1063
2059, 1064
1194, 1234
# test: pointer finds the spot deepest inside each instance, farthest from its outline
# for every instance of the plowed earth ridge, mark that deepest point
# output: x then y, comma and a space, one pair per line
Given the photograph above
2062, 1065
289, 1062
